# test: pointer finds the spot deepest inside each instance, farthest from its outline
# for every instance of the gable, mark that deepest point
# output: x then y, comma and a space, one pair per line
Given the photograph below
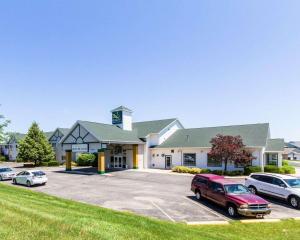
79, 135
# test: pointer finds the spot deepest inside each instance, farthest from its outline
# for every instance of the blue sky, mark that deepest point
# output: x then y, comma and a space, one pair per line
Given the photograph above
206, 62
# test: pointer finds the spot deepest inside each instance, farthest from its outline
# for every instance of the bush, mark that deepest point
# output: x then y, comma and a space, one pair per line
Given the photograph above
195, 170
205, 170
234, 173
252, 169
217, 172
2, 158
85, 159
272, 169
53, 163
285, 162
182, 169
288, 169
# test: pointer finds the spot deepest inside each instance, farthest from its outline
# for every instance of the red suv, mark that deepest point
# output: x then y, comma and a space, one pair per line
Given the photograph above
235, 197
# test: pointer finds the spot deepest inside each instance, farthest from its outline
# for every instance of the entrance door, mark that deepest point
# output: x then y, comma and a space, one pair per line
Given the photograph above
118, 161
168, 162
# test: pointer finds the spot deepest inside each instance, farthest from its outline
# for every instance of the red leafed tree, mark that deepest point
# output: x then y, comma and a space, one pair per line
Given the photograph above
229, 148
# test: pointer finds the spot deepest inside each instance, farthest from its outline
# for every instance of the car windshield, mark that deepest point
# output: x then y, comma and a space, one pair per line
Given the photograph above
5, 169
236, 189
294, 183
38, 173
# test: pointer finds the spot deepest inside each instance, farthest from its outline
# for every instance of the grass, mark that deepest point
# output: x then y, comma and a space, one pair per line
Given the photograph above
25, 214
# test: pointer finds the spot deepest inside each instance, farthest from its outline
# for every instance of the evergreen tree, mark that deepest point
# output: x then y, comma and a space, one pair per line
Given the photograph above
35, 147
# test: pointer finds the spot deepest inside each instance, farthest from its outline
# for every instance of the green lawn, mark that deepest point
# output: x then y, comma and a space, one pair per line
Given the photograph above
25, 214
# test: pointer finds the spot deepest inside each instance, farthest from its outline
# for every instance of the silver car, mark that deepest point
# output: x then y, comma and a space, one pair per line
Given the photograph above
30, 178
6, 173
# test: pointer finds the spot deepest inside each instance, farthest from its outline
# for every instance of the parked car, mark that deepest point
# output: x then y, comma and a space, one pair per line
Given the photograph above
276, 185
30, 178
6, 173
235, 197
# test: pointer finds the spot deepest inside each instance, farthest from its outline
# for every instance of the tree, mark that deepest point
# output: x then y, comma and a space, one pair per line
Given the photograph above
3, 125
35, 147
229, 148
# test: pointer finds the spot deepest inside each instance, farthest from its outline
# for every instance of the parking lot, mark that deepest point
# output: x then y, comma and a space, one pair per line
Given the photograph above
158, 195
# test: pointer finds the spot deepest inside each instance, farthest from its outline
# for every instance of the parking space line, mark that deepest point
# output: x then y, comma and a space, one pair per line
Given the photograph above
207, 209
159, 208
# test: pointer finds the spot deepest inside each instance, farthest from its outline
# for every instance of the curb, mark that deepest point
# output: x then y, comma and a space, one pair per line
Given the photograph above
260, 220
208, 223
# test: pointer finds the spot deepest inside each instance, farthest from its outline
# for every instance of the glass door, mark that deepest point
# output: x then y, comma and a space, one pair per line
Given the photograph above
168, 162
118, 162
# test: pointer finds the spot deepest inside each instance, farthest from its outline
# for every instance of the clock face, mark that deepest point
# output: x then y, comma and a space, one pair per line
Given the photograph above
117, 117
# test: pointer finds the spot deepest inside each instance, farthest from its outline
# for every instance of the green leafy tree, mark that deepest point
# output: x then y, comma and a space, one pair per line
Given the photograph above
35, 147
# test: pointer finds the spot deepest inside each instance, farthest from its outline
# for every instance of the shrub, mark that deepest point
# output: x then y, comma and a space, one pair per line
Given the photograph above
285, 162
252, 169
183, 169
217, 172
2, 158
195, 170
205, 170
272, 169
288, 169
85, 159
53, 163
234, 173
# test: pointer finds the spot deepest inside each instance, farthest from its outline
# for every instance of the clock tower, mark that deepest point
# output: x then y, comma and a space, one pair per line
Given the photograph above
122, 117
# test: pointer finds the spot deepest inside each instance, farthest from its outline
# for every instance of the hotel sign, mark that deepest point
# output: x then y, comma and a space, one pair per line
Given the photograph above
117, 117
79, 148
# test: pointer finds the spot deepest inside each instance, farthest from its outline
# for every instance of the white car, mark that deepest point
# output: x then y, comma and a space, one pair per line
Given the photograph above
30, 178
276, 185
6, 173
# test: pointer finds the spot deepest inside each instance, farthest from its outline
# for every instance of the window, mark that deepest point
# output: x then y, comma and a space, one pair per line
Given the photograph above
266, 179
278, 182
213, 162
189, 159
215, 186
272, 158
201, 180
172, 151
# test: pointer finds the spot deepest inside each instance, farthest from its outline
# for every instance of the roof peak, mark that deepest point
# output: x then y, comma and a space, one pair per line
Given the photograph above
122, 108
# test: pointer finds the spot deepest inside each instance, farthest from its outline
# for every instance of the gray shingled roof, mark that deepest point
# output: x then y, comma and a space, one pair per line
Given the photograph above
20, 136
64, 131
107, 132
254, 135
275, 145
145, 128
122, 108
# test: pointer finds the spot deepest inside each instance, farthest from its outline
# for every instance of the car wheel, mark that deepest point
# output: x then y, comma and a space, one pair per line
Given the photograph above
15, 181
198, 195
294, 201
232, 211
252, 189
28, 184
1, 179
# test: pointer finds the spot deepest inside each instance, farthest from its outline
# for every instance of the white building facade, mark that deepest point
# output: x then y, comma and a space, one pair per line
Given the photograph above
164, 144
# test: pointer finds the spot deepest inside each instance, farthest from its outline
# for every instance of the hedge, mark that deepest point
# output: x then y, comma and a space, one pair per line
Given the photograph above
183, 169
85, 159
2, 158
285, 169
50, 164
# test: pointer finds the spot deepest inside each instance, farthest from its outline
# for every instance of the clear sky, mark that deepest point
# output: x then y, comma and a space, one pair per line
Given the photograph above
208, 62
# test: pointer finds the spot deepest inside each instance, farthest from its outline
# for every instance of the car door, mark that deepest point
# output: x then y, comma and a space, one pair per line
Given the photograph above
19, 177
265, 184
201, 183
216, 193
279, 188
